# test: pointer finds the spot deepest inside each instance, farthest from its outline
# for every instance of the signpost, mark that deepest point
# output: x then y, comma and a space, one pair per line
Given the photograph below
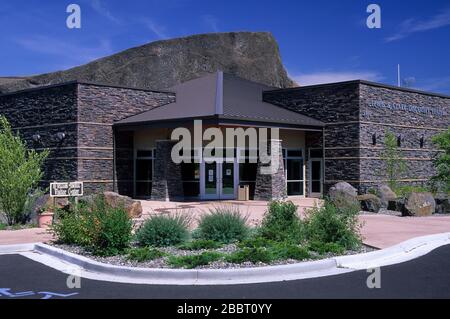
70, 189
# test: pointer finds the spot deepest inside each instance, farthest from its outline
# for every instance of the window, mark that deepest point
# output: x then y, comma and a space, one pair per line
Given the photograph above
143, 173
190, 175
422, 141
293, 166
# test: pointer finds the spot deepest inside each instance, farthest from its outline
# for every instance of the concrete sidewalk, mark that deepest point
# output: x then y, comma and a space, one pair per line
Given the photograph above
383, 231
24, 236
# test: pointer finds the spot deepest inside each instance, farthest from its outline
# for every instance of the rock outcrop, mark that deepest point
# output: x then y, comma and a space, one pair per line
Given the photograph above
132, 207
163, 64
370, 203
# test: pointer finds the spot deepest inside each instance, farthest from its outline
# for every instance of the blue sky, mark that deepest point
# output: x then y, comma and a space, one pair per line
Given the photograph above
320, 41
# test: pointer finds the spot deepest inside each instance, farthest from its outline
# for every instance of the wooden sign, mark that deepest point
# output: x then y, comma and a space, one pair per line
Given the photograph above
71, 189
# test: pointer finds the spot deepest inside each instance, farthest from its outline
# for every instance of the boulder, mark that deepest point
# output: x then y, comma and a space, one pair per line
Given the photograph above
370, 203
158, 65
343, 195
133, 207
442, 203
419, 204
387, 197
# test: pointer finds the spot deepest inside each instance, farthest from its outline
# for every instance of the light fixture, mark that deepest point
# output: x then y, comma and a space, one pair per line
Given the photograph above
60, 136
374, 139
36, 138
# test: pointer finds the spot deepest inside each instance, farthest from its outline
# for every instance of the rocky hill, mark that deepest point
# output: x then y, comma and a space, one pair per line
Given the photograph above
162, 64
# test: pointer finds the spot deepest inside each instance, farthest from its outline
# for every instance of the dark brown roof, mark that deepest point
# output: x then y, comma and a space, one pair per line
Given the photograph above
225, 97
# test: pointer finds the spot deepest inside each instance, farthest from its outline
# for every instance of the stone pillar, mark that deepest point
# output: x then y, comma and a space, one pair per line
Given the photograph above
167, 184
271, 186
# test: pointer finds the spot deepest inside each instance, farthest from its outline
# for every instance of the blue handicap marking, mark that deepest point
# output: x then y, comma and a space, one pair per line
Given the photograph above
6, 292
46, 294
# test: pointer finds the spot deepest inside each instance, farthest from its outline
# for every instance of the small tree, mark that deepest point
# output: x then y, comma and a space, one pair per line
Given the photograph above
20, 172
391, 155
442, 160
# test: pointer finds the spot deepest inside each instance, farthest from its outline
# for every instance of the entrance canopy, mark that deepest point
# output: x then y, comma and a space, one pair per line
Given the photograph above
221, 99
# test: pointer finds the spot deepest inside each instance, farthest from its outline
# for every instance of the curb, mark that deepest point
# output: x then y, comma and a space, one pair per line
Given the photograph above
66, 262
192, 276
407, 250
16, 248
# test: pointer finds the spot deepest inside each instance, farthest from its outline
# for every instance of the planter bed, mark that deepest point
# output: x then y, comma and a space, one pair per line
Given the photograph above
122, 260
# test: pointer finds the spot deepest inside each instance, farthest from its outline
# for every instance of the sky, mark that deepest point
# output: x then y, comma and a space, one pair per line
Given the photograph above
320, 41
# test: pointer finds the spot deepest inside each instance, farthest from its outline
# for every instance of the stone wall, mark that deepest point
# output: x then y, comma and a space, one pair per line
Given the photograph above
337, 105
271, 186
85, 113
45, 113
167, 182
409, 116
351, 122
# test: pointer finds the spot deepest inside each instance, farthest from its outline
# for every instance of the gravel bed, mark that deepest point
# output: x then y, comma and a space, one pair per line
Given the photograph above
121, 260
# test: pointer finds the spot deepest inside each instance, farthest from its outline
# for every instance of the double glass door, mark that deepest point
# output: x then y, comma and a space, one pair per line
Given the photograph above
219, 180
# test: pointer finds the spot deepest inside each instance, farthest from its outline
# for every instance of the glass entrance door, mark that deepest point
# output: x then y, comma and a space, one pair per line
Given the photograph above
315, 180
219, 180
210, 180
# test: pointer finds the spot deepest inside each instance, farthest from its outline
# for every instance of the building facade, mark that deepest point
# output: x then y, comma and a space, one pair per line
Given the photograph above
116, 138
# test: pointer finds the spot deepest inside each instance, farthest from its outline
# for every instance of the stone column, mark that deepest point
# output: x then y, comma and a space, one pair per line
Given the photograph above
271, 186
167, 184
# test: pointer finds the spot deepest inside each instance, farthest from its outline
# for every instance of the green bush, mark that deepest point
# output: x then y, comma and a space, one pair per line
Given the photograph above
223, 224
404, 191
3, 226
255, 242
163, 230
111, 229
144, 254
330, 224
193, 261
323, 248
441, 180
72, 226
20, 172
200, 244
97, 226
282, 251
282, 223
254, 255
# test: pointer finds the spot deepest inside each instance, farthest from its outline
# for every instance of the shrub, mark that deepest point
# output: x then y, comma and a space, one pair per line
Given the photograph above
97, 226
72, 226
330, 224
442, 160
110, 230
281, 222
323, 248
254, 255
395, 165
223, 224
3, 226
20, 172
281, 251
200, 244
255, 242
405, 190
163, 230
144, 254
193, 261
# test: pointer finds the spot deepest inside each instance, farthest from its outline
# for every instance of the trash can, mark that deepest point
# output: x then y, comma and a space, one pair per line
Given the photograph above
243, 193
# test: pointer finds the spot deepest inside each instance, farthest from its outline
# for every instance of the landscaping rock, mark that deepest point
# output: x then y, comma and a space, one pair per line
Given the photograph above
343, 195
133, 207
442, 203
387, 197
370, 203
419, 204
